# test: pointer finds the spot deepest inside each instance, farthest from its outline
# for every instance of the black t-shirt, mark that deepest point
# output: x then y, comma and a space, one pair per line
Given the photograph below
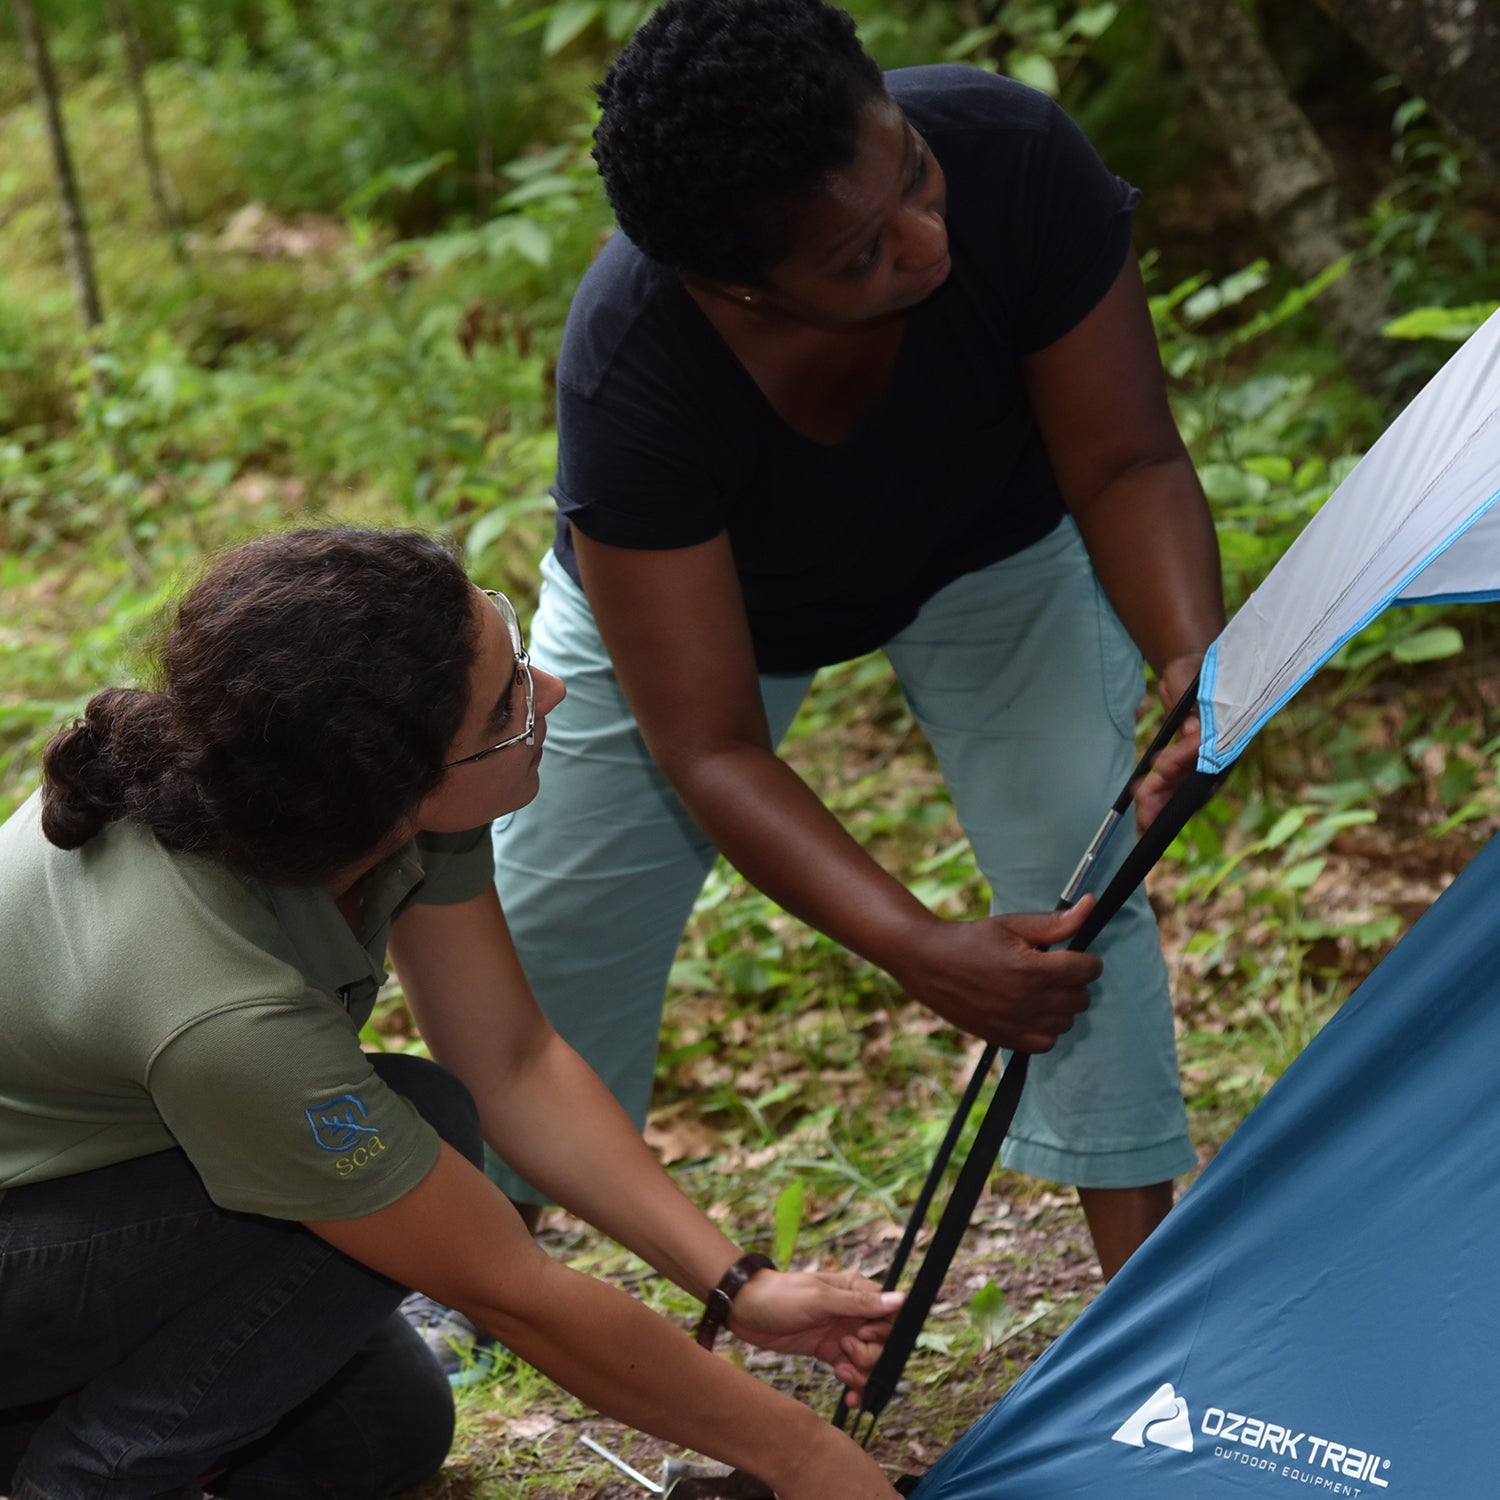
665, 440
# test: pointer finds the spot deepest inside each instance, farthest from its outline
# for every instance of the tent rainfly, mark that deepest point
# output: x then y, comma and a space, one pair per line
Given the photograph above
1416, 522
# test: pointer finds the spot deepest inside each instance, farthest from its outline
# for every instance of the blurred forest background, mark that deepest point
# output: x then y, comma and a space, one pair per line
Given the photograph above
265, 261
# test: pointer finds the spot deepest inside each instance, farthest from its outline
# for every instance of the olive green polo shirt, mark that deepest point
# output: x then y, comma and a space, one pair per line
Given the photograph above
152, 999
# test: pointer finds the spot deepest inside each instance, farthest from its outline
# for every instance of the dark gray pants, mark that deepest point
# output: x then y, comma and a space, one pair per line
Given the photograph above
148, 1338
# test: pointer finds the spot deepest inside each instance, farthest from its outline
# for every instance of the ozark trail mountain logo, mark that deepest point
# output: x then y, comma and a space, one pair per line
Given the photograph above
1161, 1419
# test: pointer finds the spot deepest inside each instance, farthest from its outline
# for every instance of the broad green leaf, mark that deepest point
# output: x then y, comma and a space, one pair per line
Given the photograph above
569, 19
1227, 293
1285, 826
1033, 68
1229, 484
1302, 875
990, 1313
1408, 112
530, 241
788, 1221
1452, 323
970, 42
1095, 20
621, 17
1276, 467
1310, 472
746, 975
544, 185
1429, 645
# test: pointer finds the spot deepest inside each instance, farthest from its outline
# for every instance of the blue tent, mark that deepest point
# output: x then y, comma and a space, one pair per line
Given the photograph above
1320, 1315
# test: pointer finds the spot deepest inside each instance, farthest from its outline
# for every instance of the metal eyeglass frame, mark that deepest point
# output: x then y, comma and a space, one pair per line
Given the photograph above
527, 736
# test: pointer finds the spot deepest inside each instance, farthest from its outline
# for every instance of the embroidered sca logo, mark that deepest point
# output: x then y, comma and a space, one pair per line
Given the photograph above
1162, 1419
336, 1125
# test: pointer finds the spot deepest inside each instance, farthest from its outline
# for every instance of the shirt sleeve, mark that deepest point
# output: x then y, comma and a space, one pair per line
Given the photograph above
455, 866
648, 442
1079, 218
626, 474
282, 1114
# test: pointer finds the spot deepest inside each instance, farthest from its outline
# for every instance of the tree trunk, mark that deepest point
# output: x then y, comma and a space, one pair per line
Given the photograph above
69, 209
1448, 51
462, 31
1288, 176
163, 195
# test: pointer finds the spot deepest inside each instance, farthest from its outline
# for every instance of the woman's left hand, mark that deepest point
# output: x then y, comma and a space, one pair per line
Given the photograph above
1178, 759
839, 1317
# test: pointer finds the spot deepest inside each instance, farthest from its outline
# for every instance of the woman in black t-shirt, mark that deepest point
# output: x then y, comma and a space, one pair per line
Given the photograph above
870, 366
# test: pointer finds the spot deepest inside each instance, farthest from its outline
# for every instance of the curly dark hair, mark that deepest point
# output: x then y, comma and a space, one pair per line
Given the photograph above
720, 118
308, 690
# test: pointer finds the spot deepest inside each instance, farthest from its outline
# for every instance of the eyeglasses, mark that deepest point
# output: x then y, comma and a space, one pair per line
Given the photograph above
523, 676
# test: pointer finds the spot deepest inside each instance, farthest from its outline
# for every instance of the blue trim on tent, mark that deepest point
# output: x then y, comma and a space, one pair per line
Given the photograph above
1479, 596
1213, 757
1207, 674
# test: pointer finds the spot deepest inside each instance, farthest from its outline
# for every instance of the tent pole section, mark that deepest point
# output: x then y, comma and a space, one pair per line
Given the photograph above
1078, 881
1191, 795
1194, 791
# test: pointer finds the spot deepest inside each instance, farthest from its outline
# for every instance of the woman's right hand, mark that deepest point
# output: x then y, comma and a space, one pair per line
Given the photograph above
993, 977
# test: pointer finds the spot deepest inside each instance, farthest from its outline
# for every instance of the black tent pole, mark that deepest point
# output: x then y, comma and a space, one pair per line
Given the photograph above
1077, 882
1190, 795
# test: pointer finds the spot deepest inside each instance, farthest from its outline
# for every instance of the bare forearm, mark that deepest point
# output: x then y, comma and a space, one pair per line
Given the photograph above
632, 1365
592, 1160
990, 976
596, 1341
1151, 540
696, 696
775, 831
541, 1106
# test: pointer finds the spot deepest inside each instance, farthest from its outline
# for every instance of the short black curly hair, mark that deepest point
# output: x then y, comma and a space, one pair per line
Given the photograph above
718, 117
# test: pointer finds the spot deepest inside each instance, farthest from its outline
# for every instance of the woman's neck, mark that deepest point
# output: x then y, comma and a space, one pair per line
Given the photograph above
819, 380
349, 882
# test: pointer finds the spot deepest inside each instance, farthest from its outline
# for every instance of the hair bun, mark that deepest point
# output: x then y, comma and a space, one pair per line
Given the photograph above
81, 787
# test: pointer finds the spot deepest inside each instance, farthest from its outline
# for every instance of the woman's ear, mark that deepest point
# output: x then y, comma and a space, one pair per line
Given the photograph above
727, 291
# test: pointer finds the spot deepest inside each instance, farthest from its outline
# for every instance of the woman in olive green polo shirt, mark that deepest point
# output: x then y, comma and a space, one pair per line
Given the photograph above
211, 1199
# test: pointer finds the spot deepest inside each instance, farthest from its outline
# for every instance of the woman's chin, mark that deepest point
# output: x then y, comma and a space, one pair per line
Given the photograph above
525, 794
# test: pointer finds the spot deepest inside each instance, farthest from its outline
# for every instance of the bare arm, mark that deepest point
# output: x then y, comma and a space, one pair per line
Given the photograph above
596, 1341
547, 1112
676, 629
561, 1127
1100, 400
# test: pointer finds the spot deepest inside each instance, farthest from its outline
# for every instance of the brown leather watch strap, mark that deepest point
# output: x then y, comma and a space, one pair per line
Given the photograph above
716, 1310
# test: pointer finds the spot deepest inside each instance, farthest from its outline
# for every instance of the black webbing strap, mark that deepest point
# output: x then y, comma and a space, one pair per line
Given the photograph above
1184, 802
1171, 723
957, 1212
1198, 787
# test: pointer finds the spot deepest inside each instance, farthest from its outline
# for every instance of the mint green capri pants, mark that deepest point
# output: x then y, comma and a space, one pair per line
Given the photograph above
1026, 686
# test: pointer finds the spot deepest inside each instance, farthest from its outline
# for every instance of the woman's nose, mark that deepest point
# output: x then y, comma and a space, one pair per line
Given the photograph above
924, 237
550, 690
